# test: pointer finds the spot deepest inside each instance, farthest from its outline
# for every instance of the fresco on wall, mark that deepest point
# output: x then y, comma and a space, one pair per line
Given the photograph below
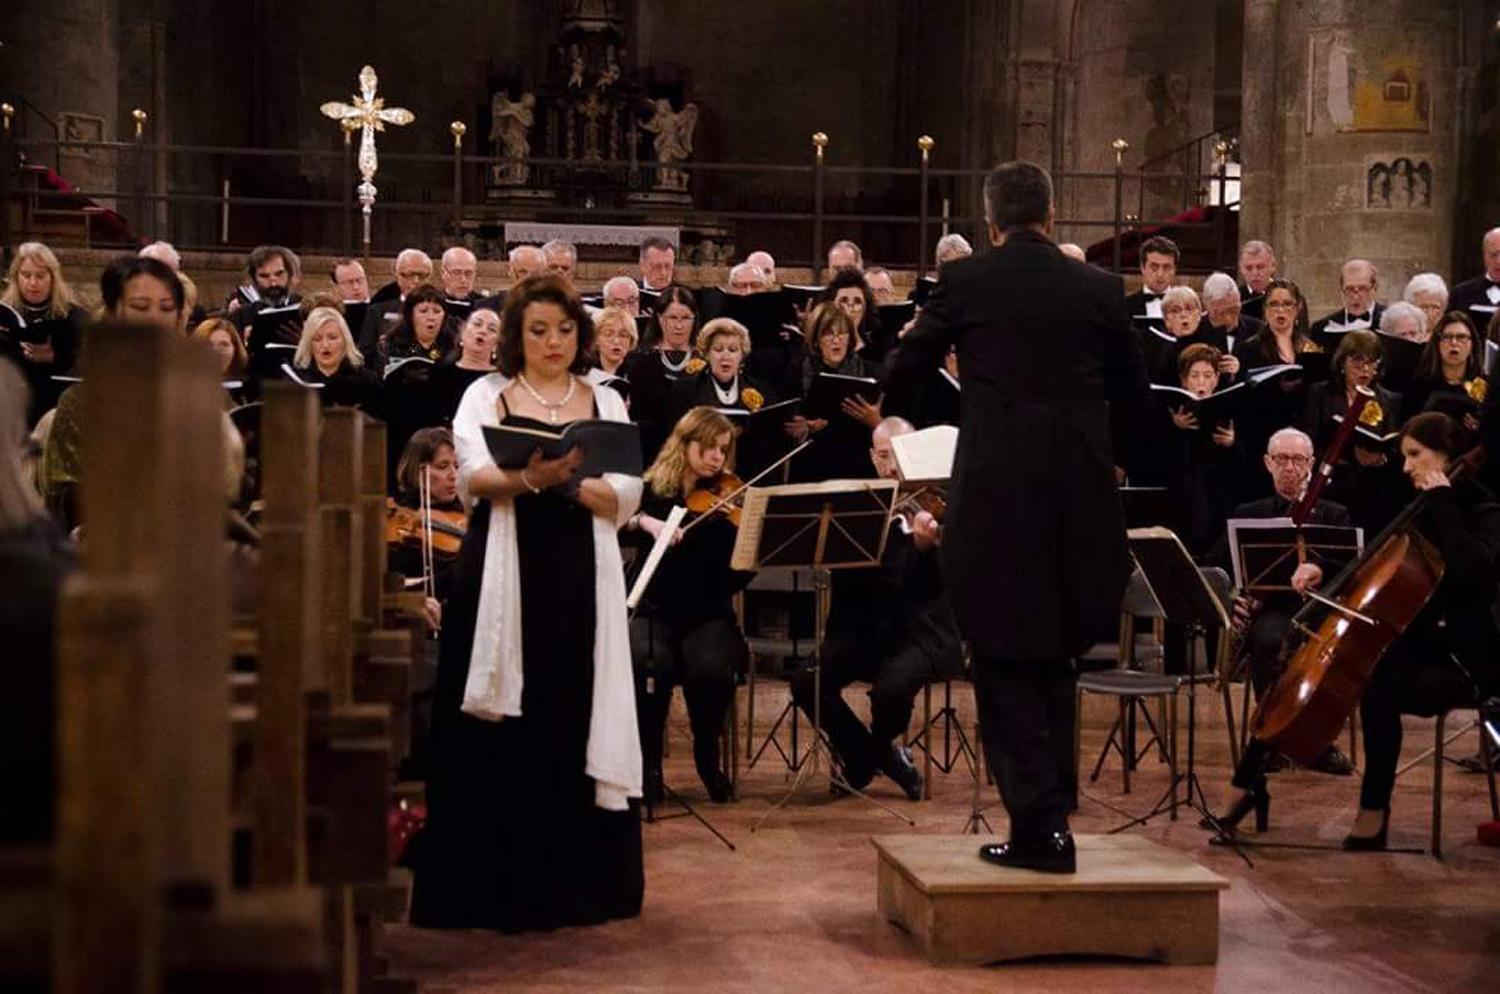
1366, 93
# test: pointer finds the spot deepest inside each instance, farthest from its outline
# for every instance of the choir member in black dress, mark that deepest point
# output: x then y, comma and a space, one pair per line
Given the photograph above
723, 345
34, 561
40, 324
841, 440
422, 333
326, 355
847, 288
1206, 470
891, 627
1452, 364
135, 290
1283, 341
223, 337
685, 633
1449, 656
1365, 481
1429, 293
478, 339
536, 751
615, 337
659, 364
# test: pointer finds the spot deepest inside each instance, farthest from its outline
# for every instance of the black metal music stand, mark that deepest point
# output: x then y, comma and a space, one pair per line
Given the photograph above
840, 524
1185, 599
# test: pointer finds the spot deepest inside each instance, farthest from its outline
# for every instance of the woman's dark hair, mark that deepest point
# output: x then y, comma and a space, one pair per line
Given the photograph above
869, 324
1438, 432
1299, 325
550, 289
421, 449
119, 273
823, 320
1430, 362
1358, 343
1017, 194
405, 332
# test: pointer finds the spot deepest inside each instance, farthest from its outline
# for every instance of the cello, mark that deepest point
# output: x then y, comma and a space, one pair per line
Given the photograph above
1369, 604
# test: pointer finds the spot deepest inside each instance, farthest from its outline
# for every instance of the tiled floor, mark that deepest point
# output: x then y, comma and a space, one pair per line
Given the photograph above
793, 909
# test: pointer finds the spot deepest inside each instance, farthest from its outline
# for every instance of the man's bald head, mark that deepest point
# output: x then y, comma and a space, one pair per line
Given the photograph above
459, 271
880, 445
1492, 254
526, 261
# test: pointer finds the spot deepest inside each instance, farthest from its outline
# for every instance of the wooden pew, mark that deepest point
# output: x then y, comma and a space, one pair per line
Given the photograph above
142, 855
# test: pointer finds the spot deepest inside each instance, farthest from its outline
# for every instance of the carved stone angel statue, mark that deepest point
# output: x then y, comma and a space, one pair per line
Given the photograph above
511, 120
674, 142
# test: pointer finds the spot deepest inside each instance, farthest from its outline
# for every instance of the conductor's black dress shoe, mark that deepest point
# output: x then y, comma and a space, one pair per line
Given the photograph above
1053, 853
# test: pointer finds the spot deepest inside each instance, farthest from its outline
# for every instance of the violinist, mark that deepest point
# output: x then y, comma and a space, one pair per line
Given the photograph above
891, 627
1448, 657
428, 453
685, 633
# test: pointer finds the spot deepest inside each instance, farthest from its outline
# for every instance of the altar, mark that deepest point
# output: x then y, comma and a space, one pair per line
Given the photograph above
539, 232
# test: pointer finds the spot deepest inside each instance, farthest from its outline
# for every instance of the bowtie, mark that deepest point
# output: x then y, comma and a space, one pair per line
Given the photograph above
1356, 317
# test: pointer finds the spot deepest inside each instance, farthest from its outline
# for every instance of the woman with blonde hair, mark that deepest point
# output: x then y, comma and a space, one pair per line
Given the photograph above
40, 324
719, 380
326, 355
685, 631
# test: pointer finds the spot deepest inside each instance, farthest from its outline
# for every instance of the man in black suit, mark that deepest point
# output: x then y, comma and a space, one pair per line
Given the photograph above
1159, 257
1034, 557
1358, 285
1225, 324
413, 267
1479, 297
1289, 460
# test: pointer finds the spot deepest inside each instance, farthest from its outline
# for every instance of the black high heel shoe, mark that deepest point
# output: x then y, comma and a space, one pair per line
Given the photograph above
1370, 843
1257, 799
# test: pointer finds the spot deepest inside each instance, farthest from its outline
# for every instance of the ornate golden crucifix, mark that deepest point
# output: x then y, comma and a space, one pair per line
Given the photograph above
368, 114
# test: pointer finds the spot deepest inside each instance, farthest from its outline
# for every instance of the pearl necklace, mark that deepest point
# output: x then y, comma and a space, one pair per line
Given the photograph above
726, 396
551, 407
679, 365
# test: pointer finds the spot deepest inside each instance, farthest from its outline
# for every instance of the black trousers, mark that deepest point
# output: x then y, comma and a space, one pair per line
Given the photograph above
1420, 679
1027, 714
1263, 647
702, 657
895, 672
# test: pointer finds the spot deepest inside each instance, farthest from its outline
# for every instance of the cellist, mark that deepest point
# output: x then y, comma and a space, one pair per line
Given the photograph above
1450, 654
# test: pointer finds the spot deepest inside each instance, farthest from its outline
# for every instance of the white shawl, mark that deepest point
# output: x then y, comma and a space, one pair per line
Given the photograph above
493, 690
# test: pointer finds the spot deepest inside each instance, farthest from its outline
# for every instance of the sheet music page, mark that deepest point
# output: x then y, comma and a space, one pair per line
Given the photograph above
653, 560
925, 456
752, 523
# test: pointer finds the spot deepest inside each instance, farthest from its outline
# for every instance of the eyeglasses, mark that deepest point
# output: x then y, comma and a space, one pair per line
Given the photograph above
1363, 362
1360, 288
1284, 460
1281, 305
1455, 336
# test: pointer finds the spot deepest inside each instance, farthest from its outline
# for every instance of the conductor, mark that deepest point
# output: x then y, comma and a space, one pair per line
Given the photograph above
1037, 559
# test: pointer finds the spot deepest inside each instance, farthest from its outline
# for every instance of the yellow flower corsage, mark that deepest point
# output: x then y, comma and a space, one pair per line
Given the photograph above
1372, 415
1477, 389
751, 398
694, 366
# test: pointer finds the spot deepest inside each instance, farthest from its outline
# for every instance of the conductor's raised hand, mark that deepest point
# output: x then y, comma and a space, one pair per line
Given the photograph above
545, 473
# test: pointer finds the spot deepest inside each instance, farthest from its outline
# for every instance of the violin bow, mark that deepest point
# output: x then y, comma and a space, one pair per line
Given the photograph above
743, 487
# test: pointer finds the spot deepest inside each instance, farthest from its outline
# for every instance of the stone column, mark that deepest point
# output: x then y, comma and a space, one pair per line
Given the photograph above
1349, 137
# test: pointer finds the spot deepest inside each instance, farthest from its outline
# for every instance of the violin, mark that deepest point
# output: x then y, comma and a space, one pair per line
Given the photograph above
929, 499
721, 494
404, 527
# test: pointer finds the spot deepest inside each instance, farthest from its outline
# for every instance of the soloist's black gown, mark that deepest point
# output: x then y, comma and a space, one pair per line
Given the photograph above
513, 839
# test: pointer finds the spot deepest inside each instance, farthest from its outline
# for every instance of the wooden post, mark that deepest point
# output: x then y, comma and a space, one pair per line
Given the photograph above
153, 496
289, 635
339, 472
372, 506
